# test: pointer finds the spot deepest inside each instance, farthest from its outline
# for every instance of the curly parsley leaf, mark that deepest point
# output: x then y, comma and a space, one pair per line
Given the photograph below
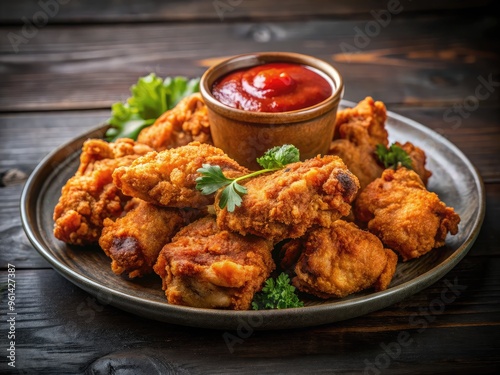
279, 156
151, 97
277, 294
212, 178
393, 157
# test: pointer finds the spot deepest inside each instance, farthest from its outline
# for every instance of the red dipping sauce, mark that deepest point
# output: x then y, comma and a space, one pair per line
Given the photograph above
272, 87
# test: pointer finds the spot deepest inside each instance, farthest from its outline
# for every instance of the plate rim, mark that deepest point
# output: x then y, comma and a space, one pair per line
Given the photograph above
266, 319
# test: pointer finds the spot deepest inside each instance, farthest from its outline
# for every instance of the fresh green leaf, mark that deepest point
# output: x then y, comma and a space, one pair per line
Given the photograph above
277, 294
177, 88
279, 156
151, 97
393, 157
213, 178
231, 196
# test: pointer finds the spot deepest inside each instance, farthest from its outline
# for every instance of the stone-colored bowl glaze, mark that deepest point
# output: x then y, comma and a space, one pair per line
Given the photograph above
246, 135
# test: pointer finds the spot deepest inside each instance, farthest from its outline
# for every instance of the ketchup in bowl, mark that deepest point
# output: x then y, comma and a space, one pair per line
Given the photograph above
272, 87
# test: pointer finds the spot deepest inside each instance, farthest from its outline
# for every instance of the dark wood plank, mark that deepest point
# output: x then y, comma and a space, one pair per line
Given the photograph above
417, 61
454, 327
194, 10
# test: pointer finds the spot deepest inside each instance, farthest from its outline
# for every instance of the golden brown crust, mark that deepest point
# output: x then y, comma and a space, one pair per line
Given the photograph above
90, 195
358, 131
168, 178
404, 214
418, 159
387, 274
185, 123
339, 261
358, 153
284, 204
368, 113
207, 267
134, 241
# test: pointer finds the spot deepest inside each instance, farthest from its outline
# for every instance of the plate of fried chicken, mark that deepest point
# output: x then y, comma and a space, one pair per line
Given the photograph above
125, 221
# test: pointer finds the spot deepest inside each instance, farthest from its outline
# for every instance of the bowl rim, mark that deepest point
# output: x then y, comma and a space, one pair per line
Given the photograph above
248, 60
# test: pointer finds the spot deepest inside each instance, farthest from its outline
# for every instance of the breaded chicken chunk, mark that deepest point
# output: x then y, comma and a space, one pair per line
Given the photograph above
168, 178
341, 260
356, 149
185, 123
418, 158
90, 195
207, 267
286, 203
404, 214
134, 241
358, 131
368, 113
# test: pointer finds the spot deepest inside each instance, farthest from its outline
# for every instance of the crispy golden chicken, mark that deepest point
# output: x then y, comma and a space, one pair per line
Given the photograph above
358, 131
404, 214
370, 114
168, 178
134, 241
340, 260
356, 149
90, 195
205, 266
418, 158
284, 204
185, 123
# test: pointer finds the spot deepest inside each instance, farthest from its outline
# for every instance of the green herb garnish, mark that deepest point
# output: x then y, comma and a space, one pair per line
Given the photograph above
151, 97
277, 294
212, 178
393, 157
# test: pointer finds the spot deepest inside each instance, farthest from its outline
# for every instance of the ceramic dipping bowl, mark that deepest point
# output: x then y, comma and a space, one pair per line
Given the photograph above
246, 135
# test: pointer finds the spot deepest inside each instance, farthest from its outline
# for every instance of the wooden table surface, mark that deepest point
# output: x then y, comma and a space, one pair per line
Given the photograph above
63, 63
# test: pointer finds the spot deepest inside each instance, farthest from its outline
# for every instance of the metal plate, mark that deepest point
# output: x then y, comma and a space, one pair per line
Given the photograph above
454, 179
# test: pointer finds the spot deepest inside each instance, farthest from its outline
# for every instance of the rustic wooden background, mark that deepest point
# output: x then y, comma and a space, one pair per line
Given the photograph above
59, 78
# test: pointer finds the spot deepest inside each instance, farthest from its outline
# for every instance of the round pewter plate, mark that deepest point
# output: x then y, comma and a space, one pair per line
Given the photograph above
454, 179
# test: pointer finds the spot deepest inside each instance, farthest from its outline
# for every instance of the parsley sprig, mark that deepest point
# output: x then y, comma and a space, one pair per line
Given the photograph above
276, 294
393, 157
151, 97
212, 178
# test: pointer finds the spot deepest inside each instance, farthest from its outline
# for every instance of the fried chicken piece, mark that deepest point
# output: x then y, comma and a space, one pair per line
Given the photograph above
207, 267
90, 195
358, 131
404, 214
355, 147
284, 204
418, 157
134, 241
369, 113
341, 260
185, 123
168, 178
387, 274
